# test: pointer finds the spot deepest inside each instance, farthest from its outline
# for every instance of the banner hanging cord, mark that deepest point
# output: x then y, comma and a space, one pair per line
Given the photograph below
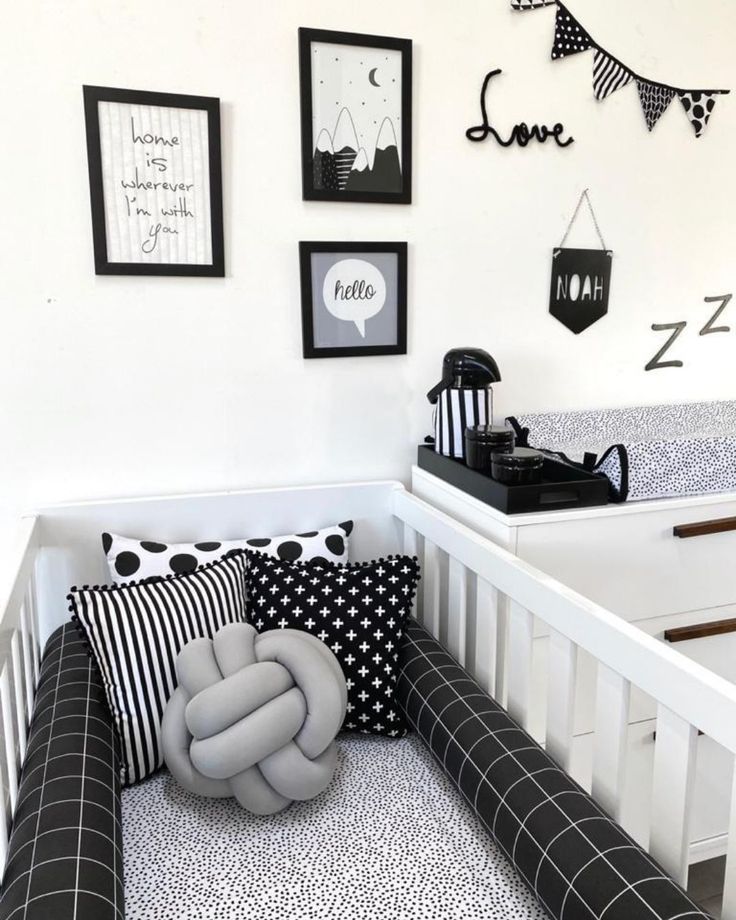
585, 196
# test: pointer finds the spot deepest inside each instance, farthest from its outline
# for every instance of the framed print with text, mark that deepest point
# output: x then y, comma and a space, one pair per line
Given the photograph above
155, 182
353, 299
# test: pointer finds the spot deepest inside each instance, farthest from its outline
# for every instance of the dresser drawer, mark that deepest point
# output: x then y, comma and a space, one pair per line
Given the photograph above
633, 564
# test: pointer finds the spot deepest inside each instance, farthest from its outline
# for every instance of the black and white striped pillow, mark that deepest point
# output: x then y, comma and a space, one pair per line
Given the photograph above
136, 631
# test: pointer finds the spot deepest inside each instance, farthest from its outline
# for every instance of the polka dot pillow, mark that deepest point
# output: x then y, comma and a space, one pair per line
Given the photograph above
128, 558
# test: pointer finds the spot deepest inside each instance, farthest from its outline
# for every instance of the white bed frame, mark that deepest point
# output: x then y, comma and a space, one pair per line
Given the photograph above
464, 575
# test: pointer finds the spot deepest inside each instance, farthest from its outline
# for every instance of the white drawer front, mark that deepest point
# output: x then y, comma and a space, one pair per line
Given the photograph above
634, 565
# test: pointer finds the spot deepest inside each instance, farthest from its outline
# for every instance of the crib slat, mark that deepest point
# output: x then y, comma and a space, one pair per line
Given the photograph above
728, 910
411, 548
486, 635
457, 609
20, 704
502, 639
675, 751
613, 695
431, 582
26, 641
11, 762
563, 656
4, 830
32, 607
520, 640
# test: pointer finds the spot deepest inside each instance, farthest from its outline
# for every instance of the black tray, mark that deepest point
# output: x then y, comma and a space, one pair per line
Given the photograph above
562, 486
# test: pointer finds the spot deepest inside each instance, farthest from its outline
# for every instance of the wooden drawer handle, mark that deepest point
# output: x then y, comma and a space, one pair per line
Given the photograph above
700, 630
702, 528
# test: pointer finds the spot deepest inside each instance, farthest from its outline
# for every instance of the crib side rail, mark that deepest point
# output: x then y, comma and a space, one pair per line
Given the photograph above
464, 574
19, 669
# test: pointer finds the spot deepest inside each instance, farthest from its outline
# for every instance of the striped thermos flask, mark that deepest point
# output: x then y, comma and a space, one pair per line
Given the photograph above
463, 398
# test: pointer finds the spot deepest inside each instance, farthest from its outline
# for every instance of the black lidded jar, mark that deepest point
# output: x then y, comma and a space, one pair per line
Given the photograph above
519, 467
484, 440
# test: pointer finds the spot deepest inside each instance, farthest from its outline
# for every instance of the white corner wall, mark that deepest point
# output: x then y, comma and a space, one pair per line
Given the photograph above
118, 386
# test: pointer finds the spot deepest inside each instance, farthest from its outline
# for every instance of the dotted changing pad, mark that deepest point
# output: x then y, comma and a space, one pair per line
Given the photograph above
648, 451
390, 839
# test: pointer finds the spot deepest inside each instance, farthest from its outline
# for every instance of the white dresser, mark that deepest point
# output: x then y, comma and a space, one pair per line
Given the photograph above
628, 559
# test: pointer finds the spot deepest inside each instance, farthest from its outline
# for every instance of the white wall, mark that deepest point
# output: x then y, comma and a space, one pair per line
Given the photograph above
118, 386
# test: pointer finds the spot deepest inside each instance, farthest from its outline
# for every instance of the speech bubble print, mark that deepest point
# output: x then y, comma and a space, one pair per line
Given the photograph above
354, 290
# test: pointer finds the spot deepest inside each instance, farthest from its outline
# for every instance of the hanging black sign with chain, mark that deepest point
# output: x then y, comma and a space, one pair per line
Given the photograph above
581, 280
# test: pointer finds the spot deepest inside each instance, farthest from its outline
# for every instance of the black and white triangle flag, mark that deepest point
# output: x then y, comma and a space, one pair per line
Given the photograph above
570, 36
655, 100
698, 106
608, 75
531, 4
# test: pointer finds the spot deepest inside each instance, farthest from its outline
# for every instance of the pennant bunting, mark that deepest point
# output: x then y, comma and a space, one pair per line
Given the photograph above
570, 36
698, 107
608, 75
655, 100
531, 4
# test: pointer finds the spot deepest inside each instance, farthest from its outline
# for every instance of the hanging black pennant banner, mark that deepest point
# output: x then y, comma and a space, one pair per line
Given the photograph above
609, 74
531, 4
581, 280
570, 36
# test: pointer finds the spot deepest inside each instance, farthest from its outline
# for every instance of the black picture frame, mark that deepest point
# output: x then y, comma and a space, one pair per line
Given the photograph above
353, 39
306, 250
93, 95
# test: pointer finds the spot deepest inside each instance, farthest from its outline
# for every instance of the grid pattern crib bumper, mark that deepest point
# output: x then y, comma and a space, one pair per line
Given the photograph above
578, 862
65, 858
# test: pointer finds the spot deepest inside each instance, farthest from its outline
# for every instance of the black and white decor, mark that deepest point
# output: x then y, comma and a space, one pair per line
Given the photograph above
359, 611
155, 182
578, 862
610, 75
331, 852
458, 409
66, 849
646, 452
581, 278
140, 559
135, 632
353, 299
67, 844
356, 116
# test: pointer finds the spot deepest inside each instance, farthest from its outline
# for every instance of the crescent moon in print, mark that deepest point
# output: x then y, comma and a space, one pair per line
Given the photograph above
372, 77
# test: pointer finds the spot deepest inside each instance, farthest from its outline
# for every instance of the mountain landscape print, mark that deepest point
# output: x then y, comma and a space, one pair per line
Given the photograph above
356, 106
342, 164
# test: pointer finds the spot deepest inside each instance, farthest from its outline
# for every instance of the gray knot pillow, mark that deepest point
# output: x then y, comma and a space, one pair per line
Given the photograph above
255, 717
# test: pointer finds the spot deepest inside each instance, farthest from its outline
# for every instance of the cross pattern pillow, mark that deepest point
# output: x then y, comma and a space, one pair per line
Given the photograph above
135, 633
129, 558
360, 611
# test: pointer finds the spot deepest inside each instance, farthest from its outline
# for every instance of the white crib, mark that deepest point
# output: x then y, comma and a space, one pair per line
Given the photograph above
464, 575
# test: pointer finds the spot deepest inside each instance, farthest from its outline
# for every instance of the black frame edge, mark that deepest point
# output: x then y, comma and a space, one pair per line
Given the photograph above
355, 39
211, 104
306, 249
